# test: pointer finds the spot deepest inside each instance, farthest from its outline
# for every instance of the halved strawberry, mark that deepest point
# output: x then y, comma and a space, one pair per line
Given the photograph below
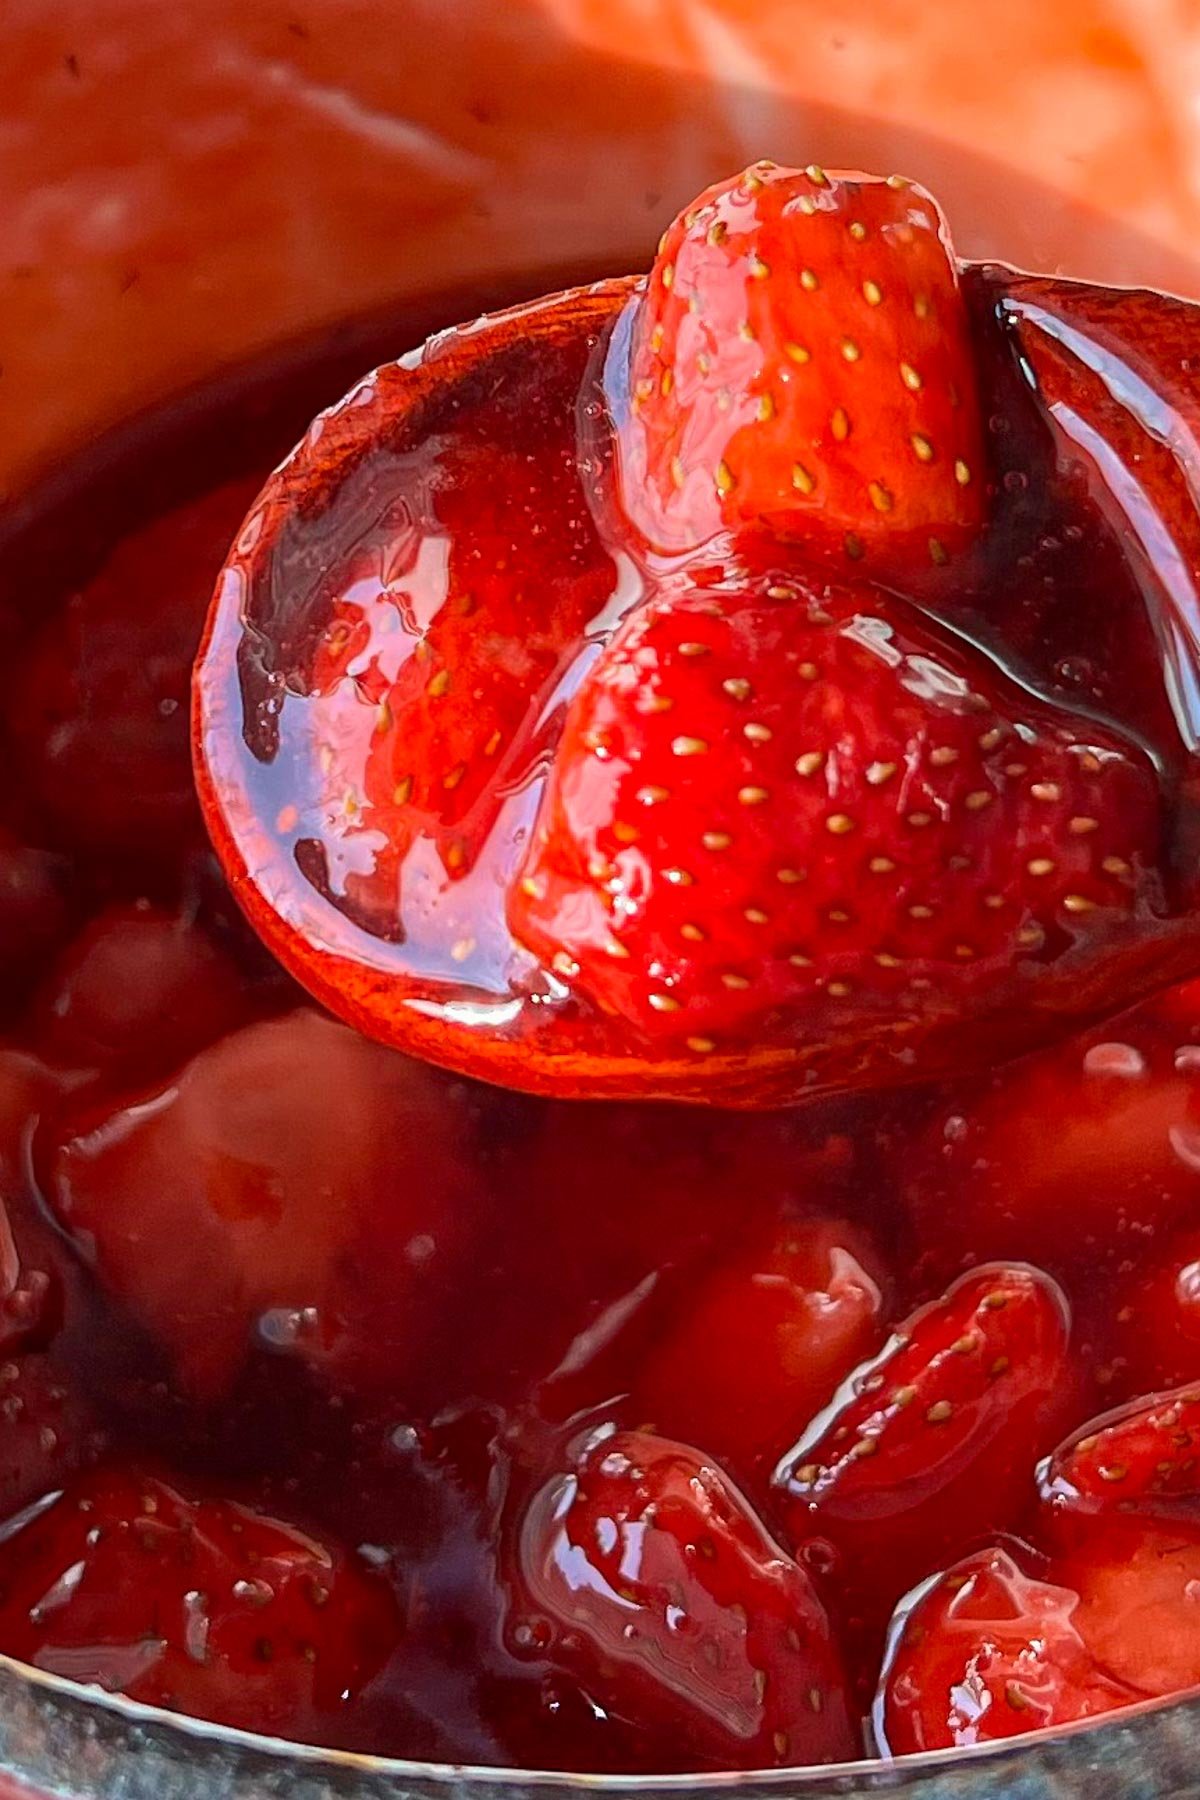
800, 360
294, 1188
801, 823
428, 696
933, 1444
988, 1652
1144, 1456
127, 1582
749, 1353
641, 1571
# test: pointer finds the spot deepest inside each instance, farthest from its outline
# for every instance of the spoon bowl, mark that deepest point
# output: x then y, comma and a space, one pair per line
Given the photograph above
434, 538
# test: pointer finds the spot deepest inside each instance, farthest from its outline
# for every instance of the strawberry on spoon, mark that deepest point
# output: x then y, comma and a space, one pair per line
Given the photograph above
790, 817
800, 363
730, 827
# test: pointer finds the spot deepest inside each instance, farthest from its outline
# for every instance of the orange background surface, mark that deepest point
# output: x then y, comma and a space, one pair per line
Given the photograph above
185, 181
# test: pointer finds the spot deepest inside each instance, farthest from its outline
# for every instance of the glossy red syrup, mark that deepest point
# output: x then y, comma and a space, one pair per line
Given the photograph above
563, 1435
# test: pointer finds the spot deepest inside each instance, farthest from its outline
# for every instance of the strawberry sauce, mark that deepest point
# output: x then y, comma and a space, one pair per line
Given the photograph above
367, 1404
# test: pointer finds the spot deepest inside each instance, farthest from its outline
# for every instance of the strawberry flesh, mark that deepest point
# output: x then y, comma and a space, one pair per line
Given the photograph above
1088, 1145
800, 361
229, 1214
140, 987
1153, 1308
432, 722
1138, 1580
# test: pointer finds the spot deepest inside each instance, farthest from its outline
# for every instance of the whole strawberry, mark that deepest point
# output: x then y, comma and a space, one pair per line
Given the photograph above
800, 360
797, 822
641, 1571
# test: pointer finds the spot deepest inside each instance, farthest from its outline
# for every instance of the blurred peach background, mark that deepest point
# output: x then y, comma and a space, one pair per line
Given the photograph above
183, 182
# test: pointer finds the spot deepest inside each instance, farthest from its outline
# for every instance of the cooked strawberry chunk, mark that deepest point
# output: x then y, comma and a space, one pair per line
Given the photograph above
933, 1444
641, 1571
1091, 1145
635, 1235
99, 707
128, 1582
1148, 1324
1144, 1456
461, 719
801, 361
292, 1183
751, 1351
1138, 1582
989, 1652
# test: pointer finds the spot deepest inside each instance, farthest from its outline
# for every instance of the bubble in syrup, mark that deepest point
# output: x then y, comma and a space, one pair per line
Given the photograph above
419, 1249
288, 1327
